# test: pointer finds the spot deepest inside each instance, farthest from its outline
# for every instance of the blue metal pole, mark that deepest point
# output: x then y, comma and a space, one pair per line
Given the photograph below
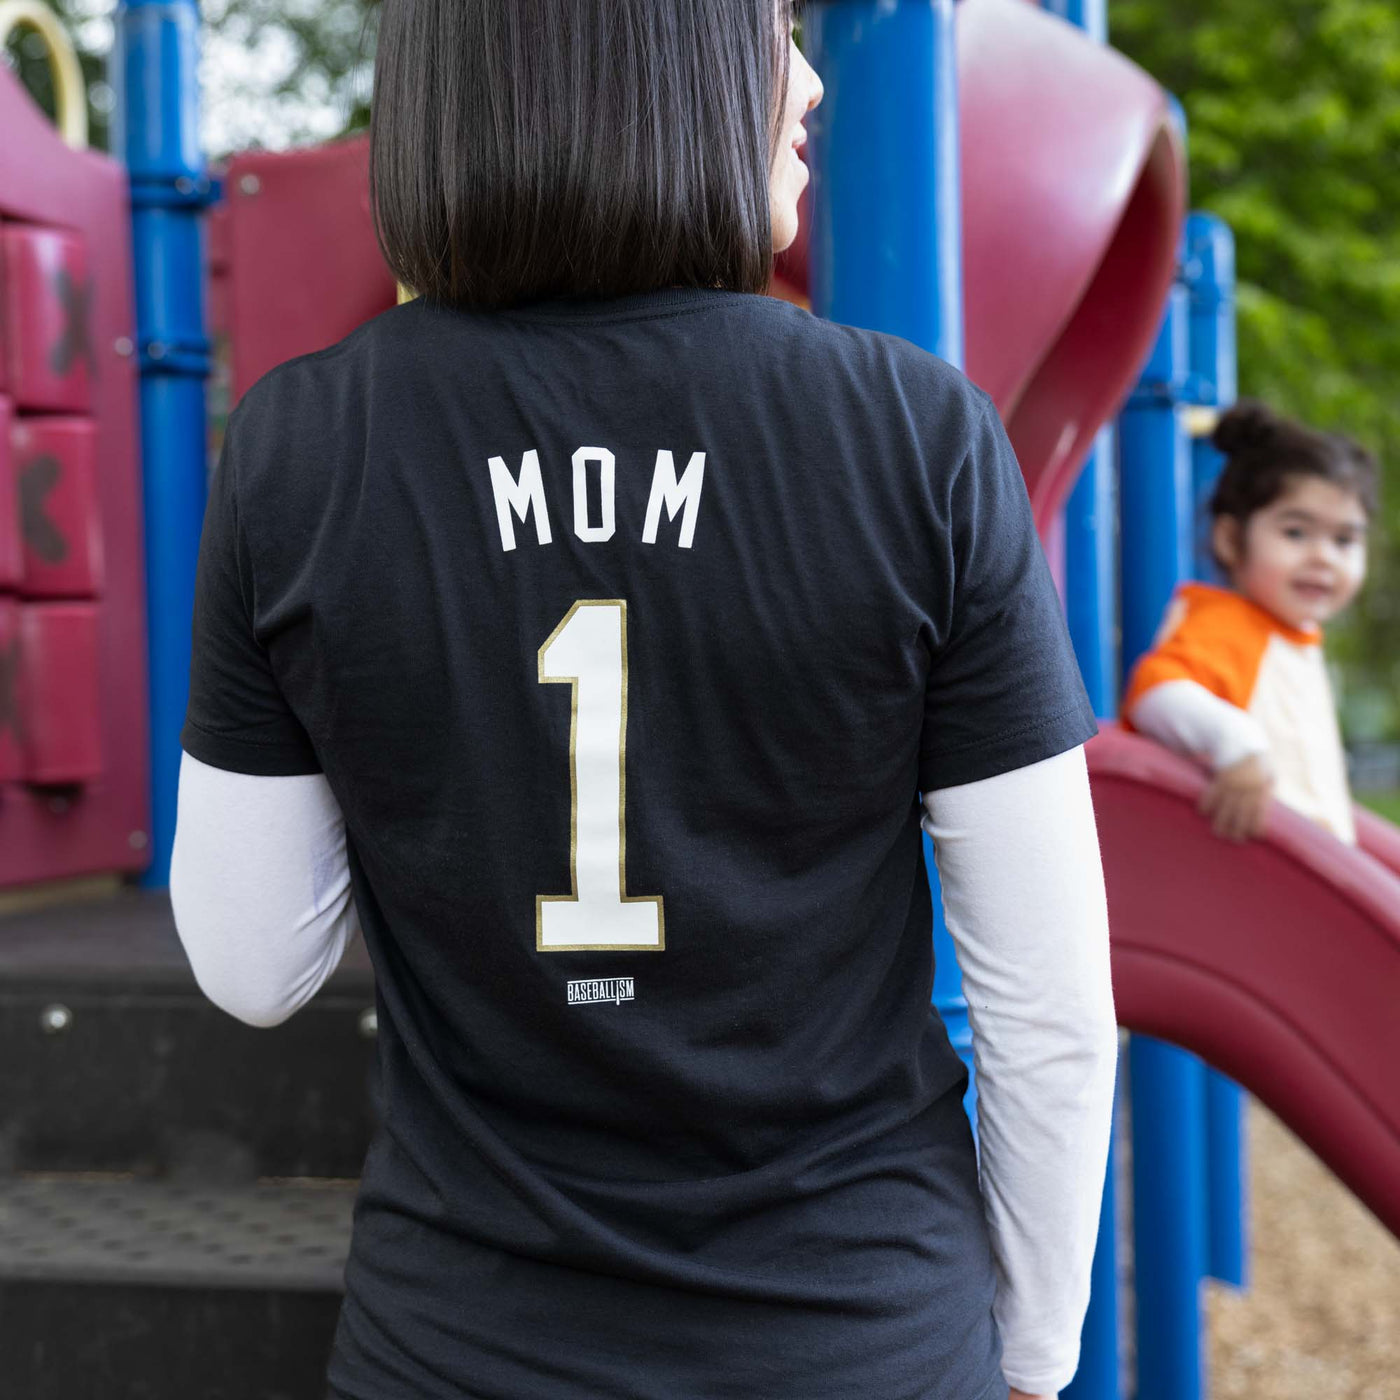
1167, 1084
886, 230
1099, 1373
1089, 15
1210, 278
887, 238
1091, 572
154, 65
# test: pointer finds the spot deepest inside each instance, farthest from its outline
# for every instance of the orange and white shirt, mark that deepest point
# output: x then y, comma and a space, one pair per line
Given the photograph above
1225, 679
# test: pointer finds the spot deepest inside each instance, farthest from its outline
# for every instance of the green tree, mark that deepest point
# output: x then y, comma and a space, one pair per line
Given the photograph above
301, 75
1293, 112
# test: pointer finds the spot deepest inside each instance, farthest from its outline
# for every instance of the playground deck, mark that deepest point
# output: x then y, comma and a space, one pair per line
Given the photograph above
176, 1187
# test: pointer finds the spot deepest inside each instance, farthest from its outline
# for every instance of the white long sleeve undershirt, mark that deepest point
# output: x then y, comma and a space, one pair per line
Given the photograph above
1023, 894
1188, 719
261, 894
260, 888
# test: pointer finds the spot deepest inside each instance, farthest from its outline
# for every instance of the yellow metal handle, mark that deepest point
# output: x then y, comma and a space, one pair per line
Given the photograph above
70, 92
405, 293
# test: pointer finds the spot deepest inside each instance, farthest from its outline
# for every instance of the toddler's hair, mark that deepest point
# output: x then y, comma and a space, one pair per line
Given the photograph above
1265, 450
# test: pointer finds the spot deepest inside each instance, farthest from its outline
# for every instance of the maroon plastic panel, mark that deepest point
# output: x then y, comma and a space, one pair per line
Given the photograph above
48, 317
56, 479
58, 692
103, 822
11, 560
11, 752
296, 246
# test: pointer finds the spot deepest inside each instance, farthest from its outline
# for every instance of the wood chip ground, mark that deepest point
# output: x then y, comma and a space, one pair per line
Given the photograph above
1321, 1319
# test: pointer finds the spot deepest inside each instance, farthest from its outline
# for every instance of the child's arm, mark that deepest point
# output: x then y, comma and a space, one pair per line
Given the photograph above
1184, 716
1187, 718
1023, 891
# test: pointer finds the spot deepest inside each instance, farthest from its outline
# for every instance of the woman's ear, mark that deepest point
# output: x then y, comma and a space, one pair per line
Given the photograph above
1227, 541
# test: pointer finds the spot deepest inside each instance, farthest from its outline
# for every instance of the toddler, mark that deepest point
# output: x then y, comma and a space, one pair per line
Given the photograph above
1236, 677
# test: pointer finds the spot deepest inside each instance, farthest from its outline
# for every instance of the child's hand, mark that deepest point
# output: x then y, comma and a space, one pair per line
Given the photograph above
1237, 800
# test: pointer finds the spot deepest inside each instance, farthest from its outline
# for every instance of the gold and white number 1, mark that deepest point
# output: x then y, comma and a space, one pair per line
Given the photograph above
588, 652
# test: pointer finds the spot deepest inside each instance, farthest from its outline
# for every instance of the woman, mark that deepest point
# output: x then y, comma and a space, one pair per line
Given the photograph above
582, 631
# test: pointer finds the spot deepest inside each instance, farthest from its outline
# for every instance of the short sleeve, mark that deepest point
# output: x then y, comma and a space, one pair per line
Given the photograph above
237, 718
1004, 689
1220, 648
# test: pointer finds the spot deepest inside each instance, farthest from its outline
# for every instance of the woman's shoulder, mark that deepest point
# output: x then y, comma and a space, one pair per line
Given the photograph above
271, 389
882, 352
788, 334
296, 427
893, 379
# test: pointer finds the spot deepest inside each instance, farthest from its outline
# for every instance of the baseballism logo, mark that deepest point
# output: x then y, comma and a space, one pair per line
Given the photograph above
613, 989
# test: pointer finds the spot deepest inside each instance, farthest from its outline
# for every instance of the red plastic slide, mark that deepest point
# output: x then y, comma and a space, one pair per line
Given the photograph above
1074, 189
1277, 961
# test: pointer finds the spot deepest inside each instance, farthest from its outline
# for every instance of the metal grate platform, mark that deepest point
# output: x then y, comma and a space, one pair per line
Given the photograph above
288, 1236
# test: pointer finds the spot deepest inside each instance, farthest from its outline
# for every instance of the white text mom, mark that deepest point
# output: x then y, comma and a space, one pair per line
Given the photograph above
520, 496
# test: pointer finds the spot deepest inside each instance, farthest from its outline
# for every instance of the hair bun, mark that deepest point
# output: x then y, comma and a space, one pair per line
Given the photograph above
1246, 427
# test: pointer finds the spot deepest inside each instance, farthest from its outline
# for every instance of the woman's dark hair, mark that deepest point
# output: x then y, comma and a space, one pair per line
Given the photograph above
522, 149
1265, 452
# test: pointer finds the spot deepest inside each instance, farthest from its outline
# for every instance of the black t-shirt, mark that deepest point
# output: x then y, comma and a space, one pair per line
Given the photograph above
625, 633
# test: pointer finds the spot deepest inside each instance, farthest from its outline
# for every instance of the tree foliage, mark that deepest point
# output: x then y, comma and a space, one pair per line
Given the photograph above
273, 73
1293, 112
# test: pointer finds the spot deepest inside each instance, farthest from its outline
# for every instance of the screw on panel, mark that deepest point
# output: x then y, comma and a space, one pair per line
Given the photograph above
55, 1019
249, 184
137, 840
123, 345
369, 1024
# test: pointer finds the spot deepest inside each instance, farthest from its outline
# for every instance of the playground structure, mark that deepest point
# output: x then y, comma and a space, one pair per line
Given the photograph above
1034, 230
